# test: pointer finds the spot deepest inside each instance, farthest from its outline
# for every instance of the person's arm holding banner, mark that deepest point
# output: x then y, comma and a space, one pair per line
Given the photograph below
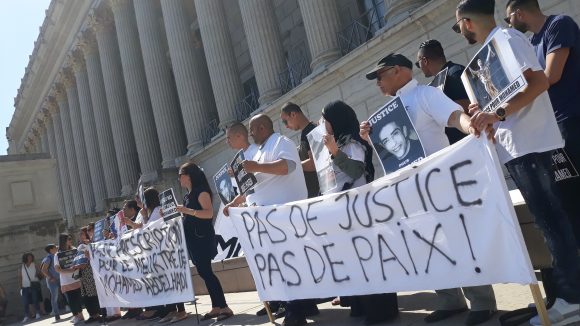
238, 200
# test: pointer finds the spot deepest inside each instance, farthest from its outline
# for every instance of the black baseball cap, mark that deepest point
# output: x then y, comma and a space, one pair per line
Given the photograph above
393, 59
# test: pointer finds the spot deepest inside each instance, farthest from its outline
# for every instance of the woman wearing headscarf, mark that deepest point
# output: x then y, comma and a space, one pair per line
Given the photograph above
353, 167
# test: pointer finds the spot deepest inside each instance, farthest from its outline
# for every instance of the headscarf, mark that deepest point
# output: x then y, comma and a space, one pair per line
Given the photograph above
345, 127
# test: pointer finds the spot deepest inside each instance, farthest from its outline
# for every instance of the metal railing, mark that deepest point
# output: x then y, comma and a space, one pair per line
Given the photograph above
246, 106
210, 131
294, 74
360, 30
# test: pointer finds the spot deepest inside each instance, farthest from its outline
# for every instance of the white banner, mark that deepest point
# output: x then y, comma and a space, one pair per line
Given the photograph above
442, 223
228, 245
145, 267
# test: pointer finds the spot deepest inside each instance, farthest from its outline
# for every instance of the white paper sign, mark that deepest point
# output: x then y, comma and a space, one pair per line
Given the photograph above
442, 223
145, 267
228, 245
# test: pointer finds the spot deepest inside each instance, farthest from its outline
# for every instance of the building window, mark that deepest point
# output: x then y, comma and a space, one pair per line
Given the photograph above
364, 27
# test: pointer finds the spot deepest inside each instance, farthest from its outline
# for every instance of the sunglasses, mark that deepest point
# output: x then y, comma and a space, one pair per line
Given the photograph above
508, 19
418, 62
456, 27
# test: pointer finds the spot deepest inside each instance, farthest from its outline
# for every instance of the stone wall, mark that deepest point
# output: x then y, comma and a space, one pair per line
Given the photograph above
29, 217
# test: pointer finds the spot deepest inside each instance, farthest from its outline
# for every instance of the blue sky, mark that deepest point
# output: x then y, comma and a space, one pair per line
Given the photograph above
20, 21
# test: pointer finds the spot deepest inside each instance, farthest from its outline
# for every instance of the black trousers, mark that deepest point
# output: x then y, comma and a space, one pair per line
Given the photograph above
75, 300
203, 264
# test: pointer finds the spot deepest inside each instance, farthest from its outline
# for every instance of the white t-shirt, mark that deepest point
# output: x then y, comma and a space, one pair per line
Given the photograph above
533, 129
65, 277
274, 189
355, 151
429, 110
139, 218
155, 215
250, 151
31, 273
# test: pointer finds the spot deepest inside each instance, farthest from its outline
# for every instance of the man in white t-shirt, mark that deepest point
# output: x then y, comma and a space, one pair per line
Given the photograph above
526, 135
278, 170
431, 111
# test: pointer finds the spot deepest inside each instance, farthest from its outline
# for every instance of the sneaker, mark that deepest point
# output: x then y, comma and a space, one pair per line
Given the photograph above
25, 320
38, 316
562, 313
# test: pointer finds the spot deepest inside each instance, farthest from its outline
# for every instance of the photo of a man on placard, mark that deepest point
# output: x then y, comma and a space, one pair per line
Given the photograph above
486, 75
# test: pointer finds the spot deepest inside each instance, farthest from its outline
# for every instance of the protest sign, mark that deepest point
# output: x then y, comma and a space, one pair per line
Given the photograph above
563, 167
244, 180
223, 185
394, 137
493, 76
443, 223
169, 204
322, 159
440, 79
228, 245
65, 258
101, 226
117, 224
147, 267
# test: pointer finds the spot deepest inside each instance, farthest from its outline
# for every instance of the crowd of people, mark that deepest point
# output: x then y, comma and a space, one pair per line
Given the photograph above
525, 130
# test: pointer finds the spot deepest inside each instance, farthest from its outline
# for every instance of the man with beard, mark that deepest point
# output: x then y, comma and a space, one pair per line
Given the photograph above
527, 135
431, 60
556, 39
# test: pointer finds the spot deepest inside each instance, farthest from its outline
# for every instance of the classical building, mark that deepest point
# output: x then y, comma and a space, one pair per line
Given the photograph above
120, 90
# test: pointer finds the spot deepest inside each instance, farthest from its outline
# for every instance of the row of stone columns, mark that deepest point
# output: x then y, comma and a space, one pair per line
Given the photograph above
122, 109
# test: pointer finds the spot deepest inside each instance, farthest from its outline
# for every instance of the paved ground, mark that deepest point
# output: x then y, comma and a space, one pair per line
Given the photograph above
414, 306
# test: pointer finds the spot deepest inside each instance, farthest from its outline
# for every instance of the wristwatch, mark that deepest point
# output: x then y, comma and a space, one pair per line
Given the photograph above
500, 112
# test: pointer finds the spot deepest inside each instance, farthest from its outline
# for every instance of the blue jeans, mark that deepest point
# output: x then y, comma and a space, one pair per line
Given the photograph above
534, 176
54, 288
30, 296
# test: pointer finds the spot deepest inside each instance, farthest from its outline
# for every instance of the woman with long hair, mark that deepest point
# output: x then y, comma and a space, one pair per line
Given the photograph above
69, 285
88, 287
353, 167
29, 285
200, 235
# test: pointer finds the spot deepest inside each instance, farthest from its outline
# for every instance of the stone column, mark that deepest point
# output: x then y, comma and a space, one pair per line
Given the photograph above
137, 93
51, 143
78, 138
398, 10
119, 116
322, 25
219, 52
71, 154
161, 85
191, 74
265, 46
106, 145
91, 142
61, 156
43, 136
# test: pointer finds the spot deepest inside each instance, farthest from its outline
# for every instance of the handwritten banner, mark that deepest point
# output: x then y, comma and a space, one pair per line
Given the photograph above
442, 223
145, 267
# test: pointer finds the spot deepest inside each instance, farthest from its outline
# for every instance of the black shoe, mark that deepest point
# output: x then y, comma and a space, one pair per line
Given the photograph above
131, 313
478, 317
438, 315
294, 322
280, 313
311, 311
57, 318
261, 312
92, 320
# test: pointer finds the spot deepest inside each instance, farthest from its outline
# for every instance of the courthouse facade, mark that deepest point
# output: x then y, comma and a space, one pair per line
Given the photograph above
121, 90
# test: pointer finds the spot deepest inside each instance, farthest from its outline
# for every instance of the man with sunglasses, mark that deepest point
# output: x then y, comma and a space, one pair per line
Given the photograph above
556, 40
431, 60
527, 134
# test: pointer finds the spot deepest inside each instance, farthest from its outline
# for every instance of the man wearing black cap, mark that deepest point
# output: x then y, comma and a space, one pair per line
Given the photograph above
428, 108
430, 111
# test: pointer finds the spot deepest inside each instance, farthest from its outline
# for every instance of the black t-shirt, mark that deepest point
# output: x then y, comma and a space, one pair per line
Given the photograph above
199, 232
309, 176
455, 90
